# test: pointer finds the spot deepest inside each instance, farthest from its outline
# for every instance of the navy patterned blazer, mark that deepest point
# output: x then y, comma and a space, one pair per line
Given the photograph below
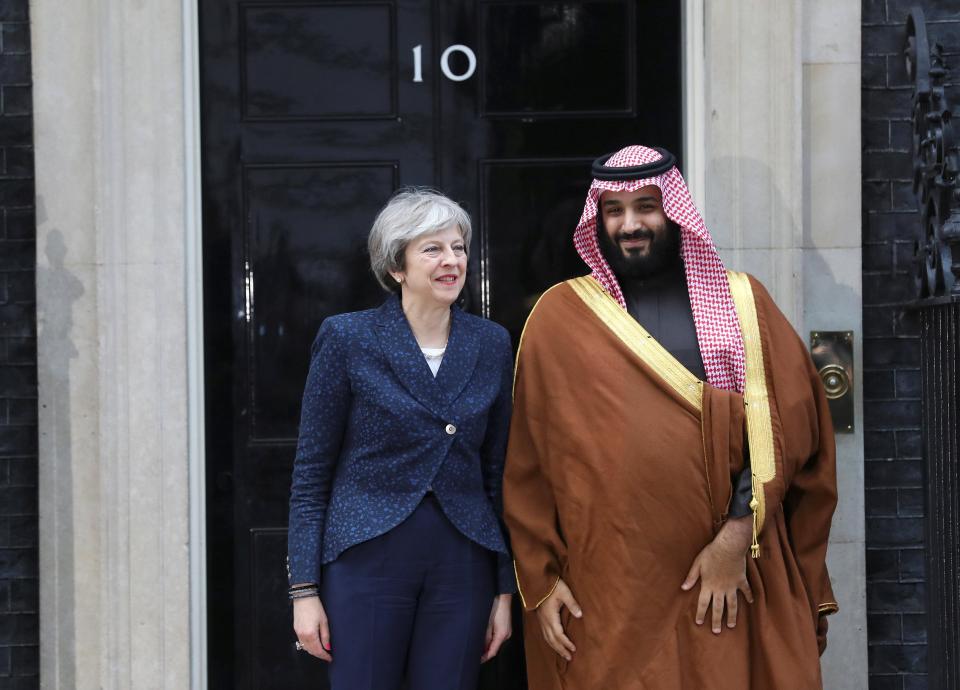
377, 430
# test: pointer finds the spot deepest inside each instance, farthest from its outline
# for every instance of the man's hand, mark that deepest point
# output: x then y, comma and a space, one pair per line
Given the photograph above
499, 627
548, 613
310, 624
722, 567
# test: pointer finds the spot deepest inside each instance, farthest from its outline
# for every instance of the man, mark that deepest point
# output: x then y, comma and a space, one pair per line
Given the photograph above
667, 422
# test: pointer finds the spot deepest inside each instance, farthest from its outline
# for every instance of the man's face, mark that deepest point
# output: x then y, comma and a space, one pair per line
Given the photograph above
636, 237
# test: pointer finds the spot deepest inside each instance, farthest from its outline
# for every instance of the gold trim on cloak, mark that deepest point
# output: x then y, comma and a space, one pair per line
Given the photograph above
513, 390
828, 608
523, 600
516, 360
756, 401
640, 342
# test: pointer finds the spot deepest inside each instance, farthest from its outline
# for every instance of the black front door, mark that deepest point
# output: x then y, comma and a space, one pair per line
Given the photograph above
313, 114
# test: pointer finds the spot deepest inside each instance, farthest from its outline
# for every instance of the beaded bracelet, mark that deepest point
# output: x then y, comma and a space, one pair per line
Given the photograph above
304, 594
303, 591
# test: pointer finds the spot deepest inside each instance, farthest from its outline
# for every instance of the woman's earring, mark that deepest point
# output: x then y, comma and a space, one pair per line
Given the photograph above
399, 279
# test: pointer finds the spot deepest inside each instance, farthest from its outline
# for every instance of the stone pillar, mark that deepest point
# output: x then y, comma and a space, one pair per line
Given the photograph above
833, 293
108, 90
782, 199
753, 186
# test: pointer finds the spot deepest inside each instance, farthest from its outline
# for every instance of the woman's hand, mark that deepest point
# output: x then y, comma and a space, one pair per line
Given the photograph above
310, 624
500, 627
722, 569
548, 613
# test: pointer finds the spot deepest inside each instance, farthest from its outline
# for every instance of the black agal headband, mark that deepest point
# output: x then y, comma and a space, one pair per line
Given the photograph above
636, 172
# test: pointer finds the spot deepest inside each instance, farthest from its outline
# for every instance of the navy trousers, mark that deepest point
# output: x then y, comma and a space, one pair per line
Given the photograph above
412, 604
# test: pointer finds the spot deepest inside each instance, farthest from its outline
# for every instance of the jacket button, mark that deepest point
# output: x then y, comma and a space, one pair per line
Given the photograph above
451, 429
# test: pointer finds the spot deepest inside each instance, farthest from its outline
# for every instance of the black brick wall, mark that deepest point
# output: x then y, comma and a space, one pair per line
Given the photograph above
896, 579
19, 658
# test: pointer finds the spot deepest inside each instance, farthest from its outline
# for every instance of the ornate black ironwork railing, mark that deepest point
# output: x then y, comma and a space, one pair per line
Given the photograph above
936, 163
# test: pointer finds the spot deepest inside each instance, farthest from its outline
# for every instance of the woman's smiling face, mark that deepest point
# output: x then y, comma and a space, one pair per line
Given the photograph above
435, 266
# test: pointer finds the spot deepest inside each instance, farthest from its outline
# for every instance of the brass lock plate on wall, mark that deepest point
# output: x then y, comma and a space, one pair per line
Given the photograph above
832, 353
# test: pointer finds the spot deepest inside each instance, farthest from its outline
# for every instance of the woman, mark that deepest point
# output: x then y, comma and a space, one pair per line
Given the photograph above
398, 562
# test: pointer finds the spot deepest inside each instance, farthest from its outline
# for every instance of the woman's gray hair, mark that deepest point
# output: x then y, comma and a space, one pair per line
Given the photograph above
411, 213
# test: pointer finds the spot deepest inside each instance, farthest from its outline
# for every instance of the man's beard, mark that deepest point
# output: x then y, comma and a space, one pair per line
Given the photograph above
663, 252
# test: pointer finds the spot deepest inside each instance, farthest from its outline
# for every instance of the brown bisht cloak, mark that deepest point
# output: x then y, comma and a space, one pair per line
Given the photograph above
619, 471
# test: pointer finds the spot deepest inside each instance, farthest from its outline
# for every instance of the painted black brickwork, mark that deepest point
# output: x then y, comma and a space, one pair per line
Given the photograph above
19, 659
896, 580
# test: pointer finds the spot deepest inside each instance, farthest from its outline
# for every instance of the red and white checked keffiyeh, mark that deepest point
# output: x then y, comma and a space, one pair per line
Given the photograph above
714, 314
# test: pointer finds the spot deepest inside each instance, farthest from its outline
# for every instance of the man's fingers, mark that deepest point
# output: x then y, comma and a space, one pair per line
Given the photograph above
555, 637
561, 636
571, 603
564, 645
747, 592
717, 612
692, 576
732, 605
702, 603
558, 648
567, 642
551, 625
555, 645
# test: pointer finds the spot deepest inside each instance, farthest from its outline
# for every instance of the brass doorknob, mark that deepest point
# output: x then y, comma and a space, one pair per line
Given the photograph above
836, 383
